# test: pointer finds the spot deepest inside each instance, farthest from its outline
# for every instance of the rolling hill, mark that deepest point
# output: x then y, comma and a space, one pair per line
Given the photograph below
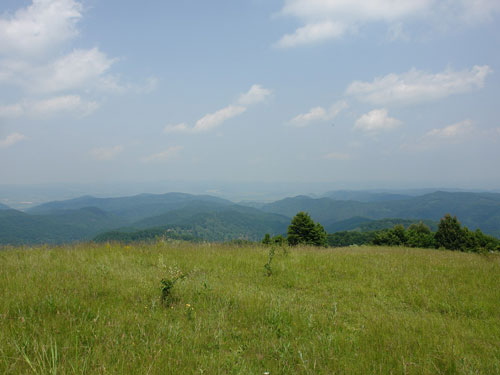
209, 218
132, 208
17, 228
475, 210
211, 222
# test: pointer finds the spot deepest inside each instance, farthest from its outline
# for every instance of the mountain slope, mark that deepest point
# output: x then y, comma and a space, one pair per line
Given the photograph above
216, 223
132, 208
475, 210
4, 207
18, 228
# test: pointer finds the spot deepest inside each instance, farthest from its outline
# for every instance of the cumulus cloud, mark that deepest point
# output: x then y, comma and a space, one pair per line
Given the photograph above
255, 95
318, 114
312, 33
77, 70
11, 139
40, 27
106, 153
454, 131
72, 104
417, 86
32, 45
164, 156
330, 19
376, 121
210, 121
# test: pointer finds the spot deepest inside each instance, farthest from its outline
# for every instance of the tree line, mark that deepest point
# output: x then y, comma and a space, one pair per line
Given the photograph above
450, 235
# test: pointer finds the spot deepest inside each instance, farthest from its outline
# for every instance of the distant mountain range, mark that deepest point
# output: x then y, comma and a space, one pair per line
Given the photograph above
475, 210
210, 218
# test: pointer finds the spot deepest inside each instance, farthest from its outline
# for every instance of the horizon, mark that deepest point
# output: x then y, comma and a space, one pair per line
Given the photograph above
291, 95
27, 196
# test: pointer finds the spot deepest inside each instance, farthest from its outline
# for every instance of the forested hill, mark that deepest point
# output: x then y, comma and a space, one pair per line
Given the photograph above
132, 208
475, 210
210, 218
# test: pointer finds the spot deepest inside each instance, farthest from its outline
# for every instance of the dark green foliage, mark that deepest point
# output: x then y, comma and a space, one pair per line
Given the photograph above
303, 230
348, 238
419, 235
276, 240
450, 234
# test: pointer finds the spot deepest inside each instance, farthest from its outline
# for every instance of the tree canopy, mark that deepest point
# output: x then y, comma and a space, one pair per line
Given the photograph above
303, 230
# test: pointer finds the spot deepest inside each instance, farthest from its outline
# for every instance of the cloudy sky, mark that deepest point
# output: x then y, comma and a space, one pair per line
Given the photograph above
356, 93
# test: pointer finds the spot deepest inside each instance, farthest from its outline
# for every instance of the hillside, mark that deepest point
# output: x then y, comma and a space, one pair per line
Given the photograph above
475, 210
18, 228
4, 207
210, 222
84, 308
132, 208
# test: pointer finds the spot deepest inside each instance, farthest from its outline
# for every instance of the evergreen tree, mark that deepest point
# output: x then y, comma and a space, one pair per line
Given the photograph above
303, 230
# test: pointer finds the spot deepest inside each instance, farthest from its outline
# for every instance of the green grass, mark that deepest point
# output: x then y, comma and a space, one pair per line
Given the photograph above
96, 309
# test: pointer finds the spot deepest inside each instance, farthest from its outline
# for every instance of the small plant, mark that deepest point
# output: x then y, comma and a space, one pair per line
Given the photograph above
267, 266
189, 312
175, 274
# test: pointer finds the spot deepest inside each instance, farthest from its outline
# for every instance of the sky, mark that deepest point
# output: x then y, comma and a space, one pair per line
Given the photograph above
344, 93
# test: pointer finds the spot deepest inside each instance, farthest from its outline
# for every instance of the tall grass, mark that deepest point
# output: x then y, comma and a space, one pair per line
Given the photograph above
97, 309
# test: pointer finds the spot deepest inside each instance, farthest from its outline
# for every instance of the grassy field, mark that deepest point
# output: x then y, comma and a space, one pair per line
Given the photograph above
97, 309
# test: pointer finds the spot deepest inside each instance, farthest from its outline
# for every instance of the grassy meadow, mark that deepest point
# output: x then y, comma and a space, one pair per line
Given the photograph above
97, 309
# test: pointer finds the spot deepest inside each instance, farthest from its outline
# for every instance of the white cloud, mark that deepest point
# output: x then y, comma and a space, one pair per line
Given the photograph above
40, 27
69, 103
330, 19
72, 104
255, 95
106, 153
11, 139
318, 114
417, 86
314, 114
33, 41
164, 156
178, 128
336, 156
454, 131
79, 69
210, 121
376, 121
312, 33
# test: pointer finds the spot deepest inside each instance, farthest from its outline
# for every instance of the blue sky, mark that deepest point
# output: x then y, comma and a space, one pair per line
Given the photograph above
352, 93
